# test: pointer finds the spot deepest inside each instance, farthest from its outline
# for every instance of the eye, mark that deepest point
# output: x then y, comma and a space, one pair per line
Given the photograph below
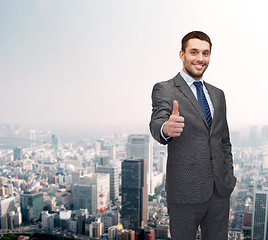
193, 53
205, 53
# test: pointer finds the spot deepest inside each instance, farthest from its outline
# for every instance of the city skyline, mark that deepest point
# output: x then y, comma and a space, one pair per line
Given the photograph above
92, 65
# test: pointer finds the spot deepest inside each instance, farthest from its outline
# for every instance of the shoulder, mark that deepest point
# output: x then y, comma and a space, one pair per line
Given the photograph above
168, 84
165, 84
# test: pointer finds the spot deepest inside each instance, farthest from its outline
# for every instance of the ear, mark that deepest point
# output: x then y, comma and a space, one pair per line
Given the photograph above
181, 54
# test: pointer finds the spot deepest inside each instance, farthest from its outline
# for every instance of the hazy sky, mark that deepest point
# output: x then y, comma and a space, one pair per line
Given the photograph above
91, 64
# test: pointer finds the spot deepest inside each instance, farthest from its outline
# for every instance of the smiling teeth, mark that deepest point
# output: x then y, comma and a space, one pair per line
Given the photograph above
199, 66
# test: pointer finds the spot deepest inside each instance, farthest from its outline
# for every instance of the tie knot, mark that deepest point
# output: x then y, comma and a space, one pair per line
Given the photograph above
198, 84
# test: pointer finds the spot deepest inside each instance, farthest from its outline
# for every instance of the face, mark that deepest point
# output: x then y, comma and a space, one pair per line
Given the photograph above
195, 58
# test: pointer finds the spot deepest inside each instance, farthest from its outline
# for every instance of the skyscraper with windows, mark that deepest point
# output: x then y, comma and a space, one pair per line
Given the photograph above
32, 204
92, 192
113, 172
85, 197
141, 146
7, 204
55, 142
134, 193
18, 153
260, 208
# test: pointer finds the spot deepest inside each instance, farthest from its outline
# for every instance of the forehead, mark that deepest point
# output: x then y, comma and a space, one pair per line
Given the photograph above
196, 43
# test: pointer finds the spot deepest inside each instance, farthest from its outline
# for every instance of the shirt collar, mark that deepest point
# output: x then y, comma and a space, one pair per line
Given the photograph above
189, 80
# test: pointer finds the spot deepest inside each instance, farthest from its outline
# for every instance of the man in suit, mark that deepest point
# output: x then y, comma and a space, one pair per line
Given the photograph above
190, 116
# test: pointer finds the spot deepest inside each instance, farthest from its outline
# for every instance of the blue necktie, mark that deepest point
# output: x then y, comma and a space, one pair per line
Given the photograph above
203, 102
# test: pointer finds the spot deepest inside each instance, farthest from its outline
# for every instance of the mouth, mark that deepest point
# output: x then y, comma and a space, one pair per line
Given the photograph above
199, 66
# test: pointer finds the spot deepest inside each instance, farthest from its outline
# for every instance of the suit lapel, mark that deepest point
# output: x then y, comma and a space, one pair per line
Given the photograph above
185, 89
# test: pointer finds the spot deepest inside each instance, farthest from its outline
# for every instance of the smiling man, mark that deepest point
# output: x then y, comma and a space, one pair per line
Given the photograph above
190, 116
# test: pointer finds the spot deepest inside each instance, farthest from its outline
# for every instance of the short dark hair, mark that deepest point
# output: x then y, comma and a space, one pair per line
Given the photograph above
195, 34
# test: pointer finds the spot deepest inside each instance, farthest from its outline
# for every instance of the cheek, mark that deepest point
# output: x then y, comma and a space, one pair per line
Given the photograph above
188, 60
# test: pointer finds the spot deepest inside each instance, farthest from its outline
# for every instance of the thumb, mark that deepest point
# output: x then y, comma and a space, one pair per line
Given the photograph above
175, 108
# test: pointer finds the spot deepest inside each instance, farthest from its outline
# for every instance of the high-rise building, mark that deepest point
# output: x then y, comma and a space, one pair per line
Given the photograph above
84, 197
17, 153
134, 193
55, 142
32, 205
141, 146
7, 204
102, 183
260, 210
113, 172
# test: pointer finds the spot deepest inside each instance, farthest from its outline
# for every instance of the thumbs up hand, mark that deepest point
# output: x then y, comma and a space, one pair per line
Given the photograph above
175, 124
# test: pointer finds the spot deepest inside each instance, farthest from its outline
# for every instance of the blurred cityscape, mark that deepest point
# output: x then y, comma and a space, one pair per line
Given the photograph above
113, 187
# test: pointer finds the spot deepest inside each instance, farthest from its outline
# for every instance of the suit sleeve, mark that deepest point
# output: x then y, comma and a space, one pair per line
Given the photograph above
162, 108
226, 144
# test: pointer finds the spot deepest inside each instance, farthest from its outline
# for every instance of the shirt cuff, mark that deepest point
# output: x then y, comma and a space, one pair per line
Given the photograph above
162, 134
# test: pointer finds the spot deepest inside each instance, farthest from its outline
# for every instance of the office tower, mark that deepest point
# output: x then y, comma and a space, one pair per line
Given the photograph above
92, 193
113, 172
17, 153
260, 208
32, 205
140, 146
84, 197
55, 142
102, 183
134, 193
7, 205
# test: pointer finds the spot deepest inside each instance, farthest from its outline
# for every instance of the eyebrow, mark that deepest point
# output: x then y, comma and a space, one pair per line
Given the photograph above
195, 49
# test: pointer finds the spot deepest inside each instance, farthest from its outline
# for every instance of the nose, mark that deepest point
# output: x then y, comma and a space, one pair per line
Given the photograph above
200, 57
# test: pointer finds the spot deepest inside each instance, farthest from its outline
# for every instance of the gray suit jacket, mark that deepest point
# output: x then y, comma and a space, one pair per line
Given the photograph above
201, 156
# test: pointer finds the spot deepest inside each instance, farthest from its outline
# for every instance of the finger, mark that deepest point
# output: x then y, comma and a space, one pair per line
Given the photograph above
175, 108
176, 125
176, 118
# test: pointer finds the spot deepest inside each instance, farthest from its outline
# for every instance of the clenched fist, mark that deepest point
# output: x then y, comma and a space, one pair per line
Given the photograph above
175, 124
